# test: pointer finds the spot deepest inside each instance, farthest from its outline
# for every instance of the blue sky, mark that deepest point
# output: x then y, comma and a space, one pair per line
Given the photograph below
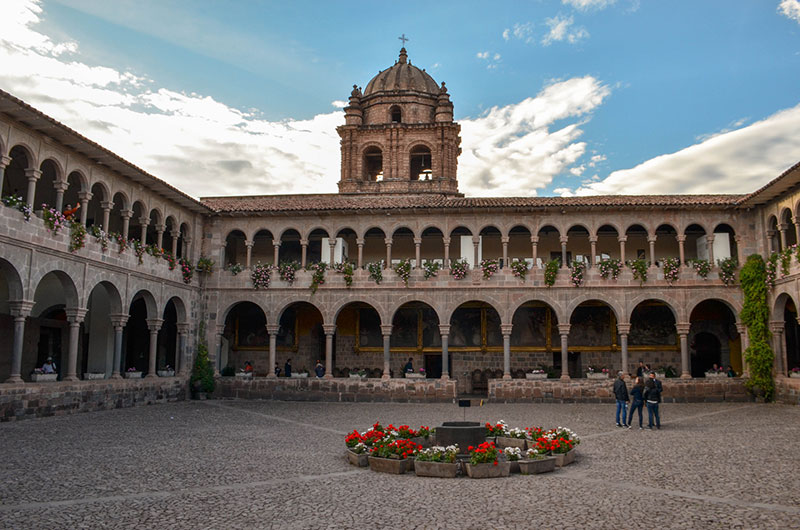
554, 97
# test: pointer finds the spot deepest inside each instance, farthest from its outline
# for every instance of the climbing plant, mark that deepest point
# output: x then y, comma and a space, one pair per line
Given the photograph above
551, 271
755, 315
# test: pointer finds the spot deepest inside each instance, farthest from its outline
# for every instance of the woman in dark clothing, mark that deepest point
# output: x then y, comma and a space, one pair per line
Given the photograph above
637, 393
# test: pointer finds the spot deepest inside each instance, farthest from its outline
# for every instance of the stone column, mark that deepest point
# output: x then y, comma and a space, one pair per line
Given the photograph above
622, 240
4, 162
272, 330
505, 329
681, 250
388, 264
683, 333
303, 252
386, 331
476, 243
779, 347
360, 244
795, 221
623, 329
564, 264
180, 354
563, 330
143, 222
74, 317
174, 235
742, 329
446, 262
118, 320
276, 250
84, 197
534, 249
770, 240
248, 244
160, 236
740, 251
710, 243
20, 310
417, 252
329, 330
107, 207
504, 241
60, 187
652, 241
593, 243
187, 247
782, 228
444, 330
332, 252
153, 325
33, 176
126, 222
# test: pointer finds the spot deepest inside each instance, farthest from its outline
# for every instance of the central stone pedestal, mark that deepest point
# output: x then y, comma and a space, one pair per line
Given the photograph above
463, 433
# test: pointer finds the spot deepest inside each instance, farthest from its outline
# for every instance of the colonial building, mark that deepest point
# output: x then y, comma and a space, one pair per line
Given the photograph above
475, 291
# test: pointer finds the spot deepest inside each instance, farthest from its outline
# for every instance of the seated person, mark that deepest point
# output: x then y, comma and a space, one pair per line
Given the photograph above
248, 368
49, 367
409, 367
731, 372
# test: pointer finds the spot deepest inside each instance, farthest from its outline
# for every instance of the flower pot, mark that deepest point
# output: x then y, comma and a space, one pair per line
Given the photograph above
795, 375
436, 469
536, 376
133, 375
165, 373
565, 459
596, 375
44, 377
358, 376
488, 470
502, 442
94, 375
300, 376
415, 376
534, 467
394, 466
244, 375
513, 466
716, 375
358, 459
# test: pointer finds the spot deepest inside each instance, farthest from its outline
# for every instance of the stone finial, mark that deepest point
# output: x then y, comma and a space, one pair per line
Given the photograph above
403, 56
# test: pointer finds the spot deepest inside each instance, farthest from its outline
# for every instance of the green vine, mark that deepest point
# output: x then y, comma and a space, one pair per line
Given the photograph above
755, 315
551, 271
639, 268
786, 260
375, 269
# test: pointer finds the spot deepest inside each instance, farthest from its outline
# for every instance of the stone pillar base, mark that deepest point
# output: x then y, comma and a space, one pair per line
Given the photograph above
116, 376
14, 379
506, 376
328, 376
71, 378
686, 376
445, 377
565, 378
386, 377
150, 376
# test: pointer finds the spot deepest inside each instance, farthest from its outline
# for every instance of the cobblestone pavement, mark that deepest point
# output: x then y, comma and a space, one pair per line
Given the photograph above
263, 464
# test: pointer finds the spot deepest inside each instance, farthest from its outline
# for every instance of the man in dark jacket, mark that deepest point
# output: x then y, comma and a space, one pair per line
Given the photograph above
652, 397
621, 393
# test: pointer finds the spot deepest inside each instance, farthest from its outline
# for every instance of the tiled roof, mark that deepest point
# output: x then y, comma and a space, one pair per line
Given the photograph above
334, 202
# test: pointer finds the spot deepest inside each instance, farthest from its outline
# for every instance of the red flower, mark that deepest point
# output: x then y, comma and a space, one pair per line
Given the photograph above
495, 463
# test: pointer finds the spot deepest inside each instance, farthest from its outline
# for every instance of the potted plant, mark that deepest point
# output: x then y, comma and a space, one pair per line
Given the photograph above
512, 456
512, 438
538, 460
90, 376
424, 436
133, 373
437, 461
202, 380
38, 376
166, 371
419, 375
357, 450
483, 462
562, 445
795, 372
395, 456
302, 374
493, 431
358, 374
593, 372
205, 265
536, 374
716, 373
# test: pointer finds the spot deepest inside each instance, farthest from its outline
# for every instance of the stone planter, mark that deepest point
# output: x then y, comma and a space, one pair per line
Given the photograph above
415, 376
357, 376
513, 466
243, 375
390, 465
534, 467
795, 375
39, 378
489, 470
503, 442
716, 375
165, 373
536, 376
596, 375
358, 459
436, 469
133, 375
300, 376
424, 442
564, 459
94, 375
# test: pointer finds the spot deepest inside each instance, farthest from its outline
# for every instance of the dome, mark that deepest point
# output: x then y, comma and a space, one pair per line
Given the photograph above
402, 76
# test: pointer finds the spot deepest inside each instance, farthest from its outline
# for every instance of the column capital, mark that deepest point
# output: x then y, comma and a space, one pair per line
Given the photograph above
160, 229
220, 329
564, 239
106, 205
592, 239
182, 327
21, 308
742, 328
444, 329
249, 243
446, 240
154, 324
329, 329
563, 329
623, 328
505, 239
386, 329
75, 315
622, 239
32, 173
710, 238
388, 241
417, 240
505, 329
776, 326
476, 239
144, 221
680, 238
652, 239
683, 328
126, 214
60, 185
534, 239
273, 329
783, 226
360, 242
737, 238
4, 161
304, 242
118, 320
277, 242
85, 195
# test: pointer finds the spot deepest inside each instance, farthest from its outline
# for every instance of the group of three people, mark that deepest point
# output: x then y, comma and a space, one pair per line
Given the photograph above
643, 393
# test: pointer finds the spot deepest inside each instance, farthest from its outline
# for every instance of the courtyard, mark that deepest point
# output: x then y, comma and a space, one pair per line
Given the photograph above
272, 464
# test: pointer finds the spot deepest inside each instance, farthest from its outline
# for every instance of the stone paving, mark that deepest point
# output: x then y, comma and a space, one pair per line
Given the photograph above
269, 464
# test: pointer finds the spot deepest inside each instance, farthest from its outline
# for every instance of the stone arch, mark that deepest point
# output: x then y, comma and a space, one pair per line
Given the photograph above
673, 305
334, 310
13, 280
245, 337
610, 301
713, 336
51, 174
372, 162
496, 304
395, 114
782, 296
388, 313
732, 303
420, 161
235, 249
254, 298
103, 301
359, 338
99, 195
77, 186
149, 301
67, 284
374, 244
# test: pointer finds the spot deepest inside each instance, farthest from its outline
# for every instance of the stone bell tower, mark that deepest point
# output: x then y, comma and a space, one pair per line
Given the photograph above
399, 135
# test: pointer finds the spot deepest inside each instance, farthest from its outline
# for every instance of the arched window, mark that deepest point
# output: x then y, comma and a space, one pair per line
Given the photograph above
420, 163
395, 114
373, 164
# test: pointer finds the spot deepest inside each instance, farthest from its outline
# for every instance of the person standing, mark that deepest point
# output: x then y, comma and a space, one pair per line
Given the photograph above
621, 393
637, 393
640, 370
287, 368
652, 397
277, 370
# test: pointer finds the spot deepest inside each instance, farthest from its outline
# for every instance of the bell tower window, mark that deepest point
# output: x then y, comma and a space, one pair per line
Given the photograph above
420, 163
373, 164
396, 115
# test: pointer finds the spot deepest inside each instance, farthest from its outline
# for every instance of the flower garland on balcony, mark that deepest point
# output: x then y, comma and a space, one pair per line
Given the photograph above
121, 241
609, 267
100, 235
138, 249
489, 267
235, 268
187, 270
287, 271
459, 268
403, 269
317, 275
53, 219
154, 250
701, 266
345, 268
519, 268
727, 270
375, 269
576, 273
639, 268
77, 236
205, 265
260, 276
755, 315
172, 262
15, 201
430, 268
786, 259
771, 270
672, 270
551, 271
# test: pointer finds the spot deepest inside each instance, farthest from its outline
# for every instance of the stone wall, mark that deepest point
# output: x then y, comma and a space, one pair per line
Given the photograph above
29, 400
787, 390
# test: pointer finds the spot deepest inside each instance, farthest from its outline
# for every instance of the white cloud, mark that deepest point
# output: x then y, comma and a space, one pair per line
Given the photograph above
523, 32
511, 151
482, 55
492, 58
738, 161
587, 5
561, 29
790, 9
338, 103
